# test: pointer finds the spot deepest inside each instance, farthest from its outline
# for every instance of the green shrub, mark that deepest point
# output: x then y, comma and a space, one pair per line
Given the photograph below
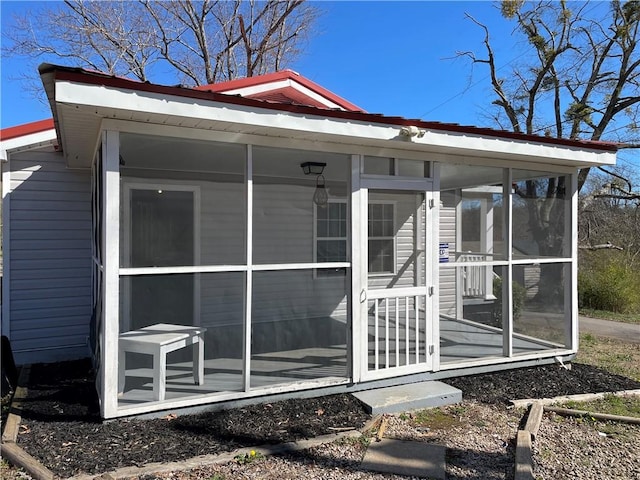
607, 283
519, 296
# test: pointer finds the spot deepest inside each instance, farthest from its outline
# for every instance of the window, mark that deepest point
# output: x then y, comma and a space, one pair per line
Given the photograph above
381, 238
331, 236
396, 167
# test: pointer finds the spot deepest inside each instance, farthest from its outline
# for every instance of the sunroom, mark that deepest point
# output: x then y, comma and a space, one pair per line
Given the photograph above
244, 248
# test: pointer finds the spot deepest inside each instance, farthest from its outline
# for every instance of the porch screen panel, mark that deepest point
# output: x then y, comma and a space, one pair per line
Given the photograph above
158, 174
299, 327
541, 209
216, 303
284, 215
539, 322
183, 245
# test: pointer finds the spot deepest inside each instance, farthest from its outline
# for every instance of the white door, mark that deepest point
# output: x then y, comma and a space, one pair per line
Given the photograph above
396, 299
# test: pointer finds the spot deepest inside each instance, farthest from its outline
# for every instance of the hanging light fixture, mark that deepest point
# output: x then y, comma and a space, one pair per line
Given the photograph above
320, 196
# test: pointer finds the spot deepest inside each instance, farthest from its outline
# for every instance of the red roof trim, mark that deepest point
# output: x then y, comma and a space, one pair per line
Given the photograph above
26, 129
248, 81
79, 75
277, 76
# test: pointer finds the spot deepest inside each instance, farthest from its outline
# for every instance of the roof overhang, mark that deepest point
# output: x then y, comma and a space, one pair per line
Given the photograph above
80, 101
25, 137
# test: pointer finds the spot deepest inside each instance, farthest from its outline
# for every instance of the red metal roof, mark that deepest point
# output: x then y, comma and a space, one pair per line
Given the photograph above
83, 76
26, 129
291, 94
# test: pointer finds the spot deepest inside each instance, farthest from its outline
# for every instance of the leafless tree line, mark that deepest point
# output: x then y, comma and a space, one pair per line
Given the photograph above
196, 42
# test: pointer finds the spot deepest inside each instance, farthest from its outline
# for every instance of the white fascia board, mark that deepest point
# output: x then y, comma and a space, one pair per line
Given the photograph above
27, 142
266, 87
253, 89
241, 118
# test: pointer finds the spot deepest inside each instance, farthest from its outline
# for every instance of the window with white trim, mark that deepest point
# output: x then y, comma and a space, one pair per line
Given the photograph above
331, 236
381, 238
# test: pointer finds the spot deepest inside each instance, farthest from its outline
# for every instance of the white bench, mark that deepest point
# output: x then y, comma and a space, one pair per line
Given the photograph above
158, 340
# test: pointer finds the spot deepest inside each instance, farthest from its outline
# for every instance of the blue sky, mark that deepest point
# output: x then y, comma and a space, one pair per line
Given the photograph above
395, 58
389, 57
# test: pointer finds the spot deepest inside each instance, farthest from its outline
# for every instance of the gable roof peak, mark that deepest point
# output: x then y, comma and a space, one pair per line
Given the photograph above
283, 86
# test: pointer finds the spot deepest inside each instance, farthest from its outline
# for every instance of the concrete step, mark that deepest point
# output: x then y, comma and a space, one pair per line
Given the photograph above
409, 397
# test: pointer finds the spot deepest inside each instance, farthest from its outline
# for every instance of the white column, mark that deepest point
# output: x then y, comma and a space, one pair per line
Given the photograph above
111, 279
458, 248
248, 290
358, 338
433, 264
570, 276
486, 242
5, 325
507, 278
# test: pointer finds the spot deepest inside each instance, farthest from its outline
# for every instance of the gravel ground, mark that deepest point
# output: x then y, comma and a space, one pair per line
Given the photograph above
576, 448
60, 427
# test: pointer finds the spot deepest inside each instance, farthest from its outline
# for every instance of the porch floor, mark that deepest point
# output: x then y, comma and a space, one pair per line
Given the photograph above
459, 341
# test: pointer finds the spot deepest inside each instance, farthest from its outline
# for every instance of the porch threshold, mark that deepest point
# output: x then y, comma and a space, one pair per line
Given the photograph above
412, 396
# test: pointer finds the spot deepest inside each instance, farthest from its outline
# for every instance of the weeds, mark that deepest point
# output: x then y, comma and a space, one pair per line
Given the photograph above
244, 458
612, 355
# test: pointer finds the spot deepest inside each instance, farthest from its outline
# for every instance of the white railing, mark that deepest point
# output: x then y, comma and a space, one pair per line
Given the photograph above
474, 277
397, 329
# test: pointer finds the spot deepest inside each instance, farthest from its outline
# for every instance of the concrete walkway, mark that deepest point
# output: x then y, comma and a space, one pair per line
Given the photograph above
627, 332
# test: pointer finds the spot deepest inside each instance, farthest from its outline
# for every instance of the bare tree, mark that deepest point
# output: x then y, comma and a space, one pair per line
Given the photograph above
579, 80
610, 215
582, 78
198, 42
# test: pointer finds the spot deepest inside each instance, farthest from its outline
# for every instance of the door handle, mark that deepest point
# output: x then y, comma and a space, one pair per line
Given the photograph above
363, 296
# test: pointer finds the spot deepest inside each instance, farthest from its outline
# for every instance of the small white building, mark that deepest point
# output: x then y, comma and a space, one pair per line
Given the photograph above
296, 241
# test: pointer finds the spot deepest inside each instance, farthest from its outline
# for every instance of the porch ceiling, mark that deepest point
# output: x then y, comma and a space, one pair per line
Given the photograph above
80, 108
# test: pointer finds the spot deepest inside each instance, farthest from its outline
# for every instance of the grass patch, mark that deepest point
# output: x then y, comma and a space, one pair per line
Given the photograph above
610, 404
610, 354
441, 418
611, 316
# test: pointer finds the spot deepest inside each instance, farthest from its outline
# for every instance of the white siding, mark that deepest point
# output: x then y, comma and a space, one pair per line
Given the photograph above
50, 258
448, 235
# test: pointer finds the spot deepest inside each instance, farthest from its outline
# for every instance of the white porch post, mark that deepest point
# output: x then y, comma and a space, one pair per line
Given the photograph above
456, 258
571, 273
358, 275
507, 280
486, 242
111, 280
432, 228
248, 290
5, 311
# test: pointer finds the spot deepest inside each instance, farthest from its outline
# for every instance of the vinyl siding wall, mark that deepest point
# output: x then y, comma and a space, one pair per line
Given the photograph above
50, 258
448, 235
